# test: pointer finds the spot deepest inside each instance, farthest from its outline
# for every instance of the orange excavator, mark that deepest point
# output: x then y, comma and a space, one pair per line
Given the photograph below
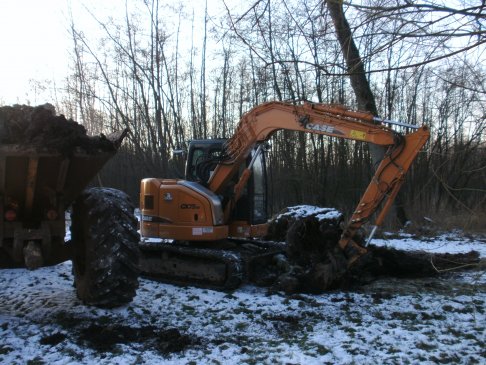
206, 229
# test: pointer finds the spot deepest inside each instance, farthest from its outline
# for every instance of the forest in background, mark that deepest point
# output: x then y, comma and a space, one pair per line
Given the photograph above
154, 72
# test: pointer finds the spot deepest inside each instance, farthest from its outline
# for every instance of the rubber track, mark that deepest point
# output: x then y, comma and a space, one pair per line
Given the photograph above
234, 273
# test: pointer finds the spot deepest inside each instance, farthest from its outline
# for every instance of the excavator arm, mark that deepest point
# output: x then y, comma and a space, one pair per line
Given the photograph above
258, 125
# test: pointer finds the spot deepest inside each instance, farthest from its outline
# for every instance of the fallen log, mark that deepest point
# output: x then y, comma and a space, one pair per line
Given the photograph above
389, 261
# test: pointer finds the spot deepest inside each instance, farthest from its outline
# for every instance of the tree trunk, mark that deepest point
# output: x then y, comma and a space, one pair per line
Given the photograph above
355, 67
359, 82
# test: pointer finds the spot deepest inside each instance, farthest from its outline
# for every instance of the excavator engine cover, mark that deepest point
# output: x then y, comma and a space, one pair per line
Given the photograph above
181, 210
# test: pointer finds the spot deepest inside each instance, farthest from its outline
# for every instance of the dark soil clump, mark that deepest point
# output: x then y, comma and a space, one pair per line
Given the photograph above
40, 128
105, 338
329, 218
171, 340
53, 340
317, 262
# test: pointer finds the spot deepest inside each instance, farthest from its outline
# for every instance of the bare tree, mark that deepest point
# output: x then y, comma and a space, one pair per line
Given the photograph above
139, 77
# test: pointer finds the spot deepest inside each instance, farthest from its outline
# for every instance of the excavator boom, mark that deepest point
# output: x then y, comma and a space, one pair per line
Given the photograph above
335, 121
261, 122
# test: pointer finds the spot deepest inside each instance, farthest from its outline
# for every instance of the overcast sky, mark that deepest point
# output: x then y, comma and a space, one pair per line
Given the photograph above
35, 42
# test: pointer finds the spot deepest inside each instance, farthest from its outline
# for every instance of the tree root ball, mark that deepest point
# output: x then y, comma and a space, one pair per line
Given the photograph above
328, 218
317, 264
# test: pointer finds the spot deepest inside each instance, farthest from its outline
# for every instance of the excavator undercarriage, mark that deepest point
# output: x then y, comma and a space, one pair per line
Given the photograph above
225, 264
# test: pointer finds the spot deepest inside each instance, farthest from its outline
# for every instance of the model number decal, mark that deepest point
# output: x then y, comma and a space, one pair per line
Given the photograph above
190, 206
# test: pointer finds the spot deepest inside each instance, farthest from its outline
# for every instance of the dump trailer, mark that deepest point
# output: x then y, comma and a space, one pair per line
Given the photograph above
39, 181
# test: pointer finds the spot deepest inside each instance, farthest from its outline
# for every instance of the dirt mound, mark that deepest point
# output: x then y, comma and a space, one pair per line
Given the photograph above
40, 128
314, 262
53, 340
104, 338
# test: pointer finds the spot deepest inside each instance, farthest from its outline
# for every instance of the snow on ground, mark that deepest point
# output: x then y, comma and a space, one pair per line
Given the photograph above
454, 242
392, 321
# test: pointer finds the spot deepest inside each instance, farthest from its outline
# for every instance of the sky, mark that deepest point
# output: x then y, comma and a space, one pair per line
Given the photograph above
35, 42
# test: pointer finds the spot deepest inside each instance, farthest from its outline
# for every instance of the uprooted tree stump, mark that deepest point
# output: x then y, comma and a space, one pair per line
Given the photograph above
317, 264
40, 128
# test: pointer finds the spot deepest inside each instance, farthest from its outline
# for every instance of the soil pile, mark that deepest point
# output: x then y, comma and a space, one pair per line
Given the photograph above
314, 261
40, 128
105, 338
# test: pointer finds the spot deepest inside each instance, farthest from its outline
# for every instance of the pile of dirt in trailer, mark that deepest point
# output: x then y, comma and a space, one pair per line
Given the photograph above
40, 128
315, 263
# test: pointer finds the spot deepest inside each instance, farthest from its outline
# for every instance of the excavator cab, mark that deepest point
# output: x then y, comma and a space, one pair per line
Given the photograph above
188, 210
202, 158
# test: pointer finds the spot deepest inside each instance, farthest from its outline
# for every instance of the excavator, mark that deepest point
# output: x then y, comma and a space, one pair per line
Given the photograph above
208, 228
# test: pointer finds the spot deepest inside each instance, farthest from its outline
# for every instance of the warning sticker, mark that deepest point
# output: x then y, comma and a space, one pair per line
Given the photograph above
357, 134
197, 231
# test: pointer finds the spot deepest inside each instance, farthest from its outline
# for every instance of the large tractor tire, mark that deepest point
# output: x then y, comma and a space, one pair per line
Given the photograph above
105, 248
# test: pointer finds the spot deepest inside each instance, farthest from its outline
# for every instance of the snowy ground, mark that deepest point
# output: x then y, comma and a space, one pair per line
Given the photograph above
389, 321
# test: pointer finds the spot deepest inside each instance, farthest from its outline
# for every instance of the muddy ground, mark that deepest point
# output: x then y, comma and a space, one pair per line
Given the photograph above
402, 321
